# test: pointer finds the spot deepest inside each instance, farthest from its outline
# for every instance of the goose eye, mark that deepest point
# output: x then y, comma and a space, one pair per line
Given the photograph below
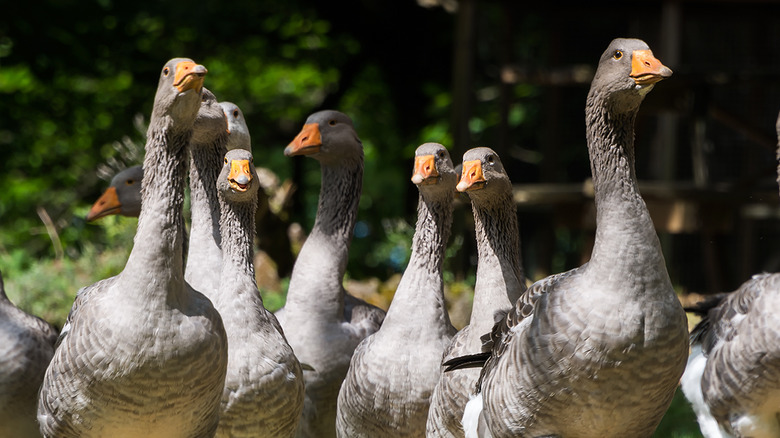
332, 123
441, 154
618, 54
252, 160
225, 160
166, 71
235, 113
130, 182
490, 159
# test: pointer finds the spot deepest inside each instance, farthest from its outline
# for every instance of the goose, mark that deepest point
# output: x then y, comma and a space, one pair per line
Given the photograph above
26, 347
598, 350
393, 372
122, 197
207, 150
239, 132
142, 353
500, 281
733, 375
322, 322
263, 393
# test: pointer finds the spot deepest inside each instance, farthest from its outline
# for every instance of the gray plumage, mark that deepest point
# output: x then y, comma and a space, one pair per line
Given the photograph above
239, 132
393, 372
26, 347
143, 353
500, 281
596, 351
263, 393
207, 151
733, 373
322, 322
122, 197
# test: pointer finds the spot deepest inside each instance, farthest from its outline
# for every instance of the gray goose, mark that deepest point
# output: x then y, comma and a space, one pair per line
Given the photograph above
733, 373
263, 393
207, 151
393, 372
596, 351
26, 347
122, 197
239, 132
142, 353
322, 322
500, 281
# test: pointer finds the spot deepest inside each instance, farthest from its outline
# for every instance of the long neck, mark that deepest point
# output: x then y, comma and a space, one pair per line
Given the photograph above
500, 277
322, 262
155, 263
204, 252
420, 294
624, 229
237, 278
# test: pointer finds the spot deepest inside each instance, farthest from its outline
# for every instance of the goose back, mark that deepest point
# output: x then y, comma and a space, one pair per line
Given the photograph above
26, 347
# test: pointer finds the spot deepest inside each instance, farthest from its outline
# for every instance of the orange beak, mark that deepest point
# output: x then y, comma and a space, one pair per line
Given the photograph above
472, 177
189, 76
106, 205
425, 170
307, 142
646, 69
240, 176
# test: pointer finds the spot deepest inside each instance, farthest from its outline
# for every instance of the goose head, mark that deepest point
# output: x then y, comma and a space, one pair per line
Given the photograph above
626, 72
122, 197
433, 168
238, 179
327, 136
210, 122
239, 132
179, 90
482, 172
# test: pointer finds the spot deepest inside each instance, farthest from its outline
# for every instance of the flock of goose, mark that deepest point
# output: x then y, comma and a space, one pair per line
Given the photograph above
179, 343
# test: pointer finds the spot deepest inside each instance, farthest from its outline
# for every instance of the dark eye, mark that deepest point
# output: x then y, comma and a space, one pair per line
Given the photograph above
618, 54
332, 123
130, 182
252, 160
490, 159
442, 154
225, 160
166, 70
235, 113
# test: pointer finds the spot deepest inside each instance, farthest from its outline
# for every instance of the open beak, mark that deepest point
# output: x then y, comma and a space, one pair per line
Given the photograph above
240, 176
472, 177
106, 205
425, 170
307, 142
646, 69
189, 76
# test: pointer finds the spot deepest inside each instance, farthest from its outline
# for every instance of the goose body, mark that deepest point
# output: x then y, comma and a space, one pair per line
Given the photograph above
596, 351
143, 353
322, 322
393, 372
500, 281
733, 373
263, 393
26, 347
